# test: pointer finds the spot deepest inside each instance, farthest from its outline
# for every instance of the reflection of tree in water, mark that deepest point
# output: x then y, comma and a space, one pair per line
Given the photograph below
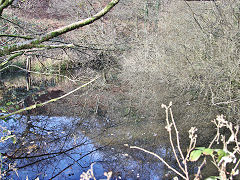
55, 147
49, 146
126, 163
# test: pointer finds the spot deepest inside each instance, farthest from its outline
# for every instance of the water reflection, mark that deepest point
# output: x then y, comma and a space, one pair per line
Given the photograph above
62, 147
47, 146
56, 148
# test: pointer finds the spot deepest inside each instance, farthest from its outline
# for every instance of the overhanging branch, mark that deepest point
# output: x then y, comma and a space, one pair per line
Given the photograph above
6, 50
4, 4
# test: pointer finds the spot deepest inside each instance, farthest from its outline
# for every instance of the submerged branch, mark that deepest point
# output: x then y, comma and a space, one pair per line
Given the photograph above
51, 100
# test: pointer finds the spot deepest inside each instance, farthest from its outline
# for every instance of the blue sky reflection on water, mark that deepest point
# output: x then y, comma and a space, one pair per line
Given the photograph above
47, 135
56, 143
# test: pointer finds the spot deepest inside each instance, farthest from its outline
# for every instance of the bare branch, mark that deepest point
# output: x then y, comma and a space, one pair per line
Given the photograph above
5, 50
161, 159
16, 36
11, 58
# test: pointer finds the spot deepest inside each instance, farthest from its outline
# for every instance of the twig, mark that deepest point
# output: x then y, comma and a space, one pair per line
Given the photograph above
16, 36
178, 143
135, 147
194, 17
199, 169
169, 129
75, 162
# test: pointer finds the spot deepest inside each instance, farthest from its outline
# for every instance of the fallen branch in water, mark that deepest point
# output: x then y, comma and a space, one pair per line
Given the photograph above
49, 101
